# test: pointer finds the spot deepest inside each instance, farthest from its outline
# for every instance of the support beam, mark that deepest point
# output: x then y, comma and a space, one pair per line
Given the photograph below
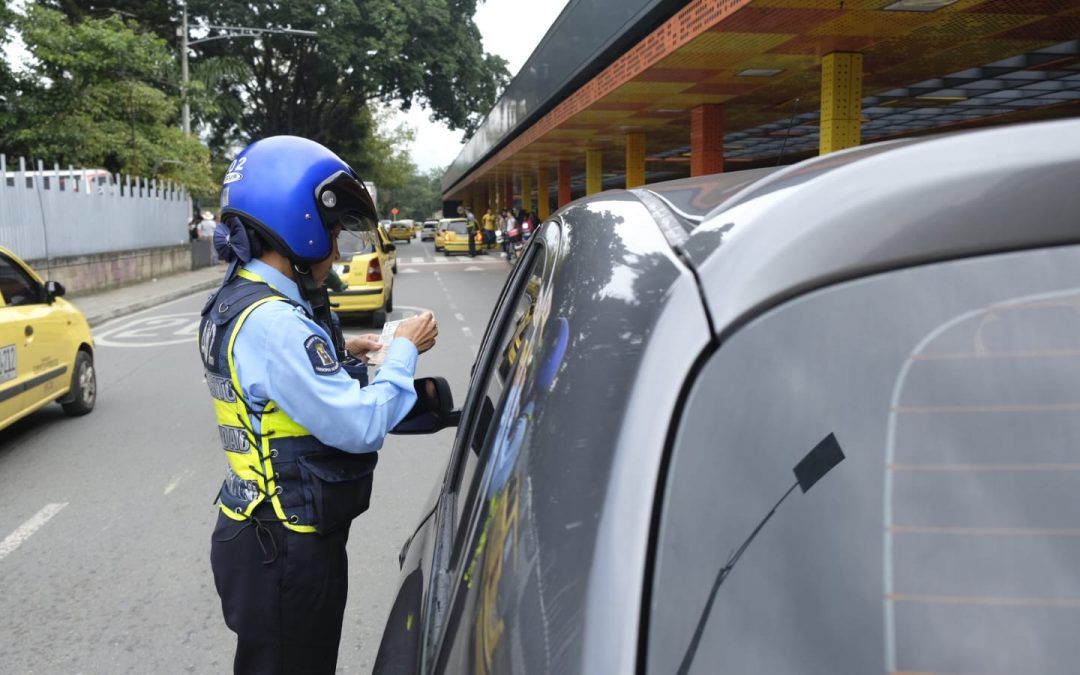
526, 192
543, 200
564, 182
593, 171
635, 159
841, 101
508, 186
706, 140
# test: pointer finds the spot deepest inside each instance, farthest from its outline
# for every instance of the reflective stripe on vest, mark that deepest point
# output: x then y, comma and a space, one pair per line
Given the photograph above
251, 455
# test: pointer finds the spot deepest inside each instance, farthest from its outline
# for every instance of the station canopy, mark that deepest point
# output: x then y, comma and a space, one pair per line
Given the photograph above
609, 68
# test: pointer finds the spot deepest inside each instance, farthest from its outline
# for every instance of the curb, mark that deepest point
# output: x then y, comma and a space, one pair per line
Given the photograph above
109, 315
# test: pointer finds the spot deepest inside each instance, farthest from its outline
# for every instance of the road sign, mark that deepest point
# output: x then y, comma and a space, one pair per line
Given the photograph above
394, 211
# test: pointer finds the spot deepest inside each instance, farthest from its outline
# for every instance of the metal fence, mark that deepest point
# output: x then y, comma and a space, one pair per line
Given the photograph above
56, 213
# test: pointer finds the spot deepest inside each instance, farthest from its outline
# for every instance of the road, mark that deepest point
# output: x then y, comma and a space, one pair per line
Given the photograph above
106, 519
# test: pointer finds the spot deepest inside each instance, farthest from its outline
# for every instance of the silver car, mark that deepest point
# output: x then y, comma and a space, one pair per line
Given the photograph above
817, 419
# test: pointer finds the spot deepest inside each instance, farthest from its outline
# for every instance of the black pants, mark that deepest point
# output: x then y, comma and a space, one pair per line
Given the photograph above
286, 613
472, 242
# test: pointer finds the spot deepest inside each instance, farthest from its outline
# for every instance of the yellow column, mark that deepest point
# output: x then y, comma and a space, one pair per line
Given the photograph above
841, 101
543, 200
635, 159
526, 192
593, 161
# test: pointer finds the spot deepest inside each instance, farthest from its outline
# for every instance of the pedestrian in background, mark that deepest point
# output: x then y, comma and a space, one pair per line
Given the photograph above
206, 231
471, 227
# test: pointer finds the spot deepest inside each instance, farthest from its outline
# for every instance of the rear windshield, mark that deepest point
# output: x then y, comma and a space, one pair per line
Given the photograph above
351, 242
458, 226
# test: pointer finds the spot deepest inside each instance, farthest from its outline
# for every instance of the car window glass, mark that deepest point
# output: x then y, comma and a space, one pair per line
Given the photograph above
457, 226
945, 541
354, 242
506, 344
16, 287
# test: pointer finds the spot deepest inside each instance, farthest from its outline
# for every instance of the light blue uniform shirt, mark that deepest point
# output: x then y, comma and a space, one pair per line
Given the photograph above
273, 364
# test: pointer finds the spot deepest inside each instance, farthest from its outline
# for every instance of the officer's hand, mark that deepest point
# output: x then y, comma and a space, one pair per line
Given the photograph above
421, 330
360, 345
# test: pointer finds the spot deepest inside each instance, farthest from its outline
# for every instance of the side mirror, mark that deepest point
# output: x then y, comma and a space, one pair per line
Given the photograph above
53, 290
390, 247
434, 409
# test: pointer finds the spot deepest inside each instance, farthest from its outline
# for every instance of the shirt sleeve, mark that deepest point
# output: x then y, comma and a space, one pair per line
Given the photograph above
325, 400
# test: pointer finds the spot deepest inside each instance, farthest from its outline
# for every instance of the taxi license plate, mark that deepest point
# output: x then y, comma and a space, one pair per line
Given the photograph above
8, 367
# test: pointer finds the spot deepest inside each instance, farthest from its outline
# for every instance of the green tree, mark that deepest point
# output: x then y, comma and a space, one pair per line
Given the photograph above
420, 196
424, 52
366, 50
7, 82
97, 94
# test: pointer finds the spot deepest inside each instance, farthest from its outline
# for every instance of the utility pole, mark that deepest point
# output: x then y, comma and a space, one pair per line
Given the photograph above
185, 111
230, 32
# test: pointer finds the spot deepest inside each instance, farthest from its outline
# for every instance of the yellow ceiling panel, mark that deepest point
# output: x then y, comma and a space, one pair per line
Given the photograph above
650, 88
601, 116
883, 24
723, 44
971, 26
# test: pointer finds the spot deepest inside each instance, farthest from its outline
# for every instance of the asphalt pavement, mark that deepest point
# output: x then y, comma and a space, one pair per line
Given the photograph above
105, 520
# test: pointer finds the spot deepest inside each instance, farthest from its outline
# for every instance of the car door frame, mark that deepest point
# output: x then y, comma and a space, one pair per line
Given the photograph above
448, 534
26, 389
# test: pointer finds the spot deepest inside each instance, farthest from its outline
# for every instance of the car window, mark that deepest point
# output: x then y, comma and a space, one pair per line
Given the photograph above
945, 541
457, 226
16, 287
352, 242
505, 343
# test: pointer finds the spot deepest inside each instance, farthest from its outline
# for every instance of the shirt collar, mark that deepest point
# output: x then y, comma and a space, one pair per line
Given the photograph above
278, 281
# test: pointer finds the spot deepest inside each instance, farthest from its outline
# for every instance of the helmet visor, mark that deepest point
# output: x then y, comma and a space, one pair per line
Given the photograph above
343, 200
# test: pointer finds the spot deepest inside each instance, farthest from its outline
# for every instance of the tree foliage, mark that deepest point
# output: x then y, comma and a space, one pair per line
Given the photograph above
97, 94
109, 78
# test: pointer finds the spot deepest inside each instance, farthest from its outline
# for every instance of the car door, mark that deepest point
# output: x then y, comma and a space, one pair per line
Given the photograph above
30, 341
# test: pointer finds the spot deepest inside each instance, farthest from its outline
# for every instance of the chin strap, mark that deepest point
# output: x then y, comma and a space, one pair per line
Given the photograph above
319, 299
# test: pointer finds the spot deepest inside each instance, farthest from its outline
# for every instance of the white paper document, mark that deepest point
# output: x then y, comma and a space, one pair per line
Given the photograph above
388, 330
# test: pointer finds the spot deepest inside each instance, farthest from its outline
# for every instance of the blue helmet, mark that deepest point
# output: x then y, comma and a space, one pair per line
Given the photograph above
293, 191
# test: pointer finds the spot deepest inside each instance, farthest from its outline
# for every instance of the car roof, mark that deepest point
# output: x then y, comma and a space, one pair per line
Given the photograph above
884, 207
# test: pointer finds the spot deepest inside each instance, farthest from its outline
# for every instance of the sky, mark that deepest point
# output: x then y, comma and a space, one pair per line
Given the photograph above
510, 29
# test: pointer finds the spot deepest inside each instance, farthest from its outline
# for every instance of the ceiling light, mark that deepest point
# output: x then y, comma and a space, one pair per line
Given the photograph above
941, 99
759, 72
917, 5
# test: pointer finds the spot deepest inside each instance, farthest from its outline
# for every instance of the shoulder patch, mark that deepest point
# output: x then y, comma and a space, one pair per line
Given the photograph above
322, 357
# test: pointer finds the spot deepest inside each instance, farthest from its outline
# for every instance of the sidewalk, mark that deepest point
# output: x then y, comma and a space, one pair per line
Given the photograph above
102, 306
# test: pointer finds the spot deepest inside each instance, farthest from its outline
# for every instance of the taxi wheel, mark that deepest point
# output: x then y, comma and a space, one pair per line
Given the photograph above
378, 318
83, 387
389, 302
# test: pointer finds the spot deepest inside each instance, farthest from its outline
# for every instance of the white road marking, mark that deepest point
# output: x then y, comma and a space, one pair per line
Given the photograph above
467, 331
127, 317
453, 306
152, 331
16, 538
416, 259
176, 481
407, 270
473, 268
460, 317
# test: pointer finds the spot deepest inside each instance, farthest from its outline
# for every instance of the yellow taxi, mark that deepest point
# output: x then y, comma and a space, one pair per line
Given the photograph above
440, 234
366, 270
456, 237
46, 349
401, 230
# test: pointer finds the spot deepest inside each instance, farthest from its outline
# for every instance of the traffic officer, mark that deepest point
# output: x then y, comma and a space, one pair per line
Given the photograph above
298, 421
